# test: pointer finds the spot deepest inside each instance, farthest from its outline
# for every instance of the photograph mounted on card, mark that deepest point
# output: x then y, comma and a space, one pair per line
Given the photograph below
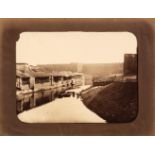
77, 76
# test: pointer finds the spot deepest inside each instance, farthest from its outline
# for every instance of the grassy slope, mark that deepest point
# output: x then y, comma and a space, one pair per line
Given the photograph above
115, 103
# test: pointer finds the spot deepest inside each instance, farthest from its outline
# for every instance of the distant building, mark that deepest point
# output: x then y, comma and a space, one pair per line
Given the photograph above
130, 64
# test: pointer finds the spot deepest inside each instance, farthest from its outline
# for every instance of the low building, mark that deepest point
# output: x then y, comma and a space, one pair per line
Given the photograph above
33, 81
78, 79
22, 81
57, 80
40, 81
68, 79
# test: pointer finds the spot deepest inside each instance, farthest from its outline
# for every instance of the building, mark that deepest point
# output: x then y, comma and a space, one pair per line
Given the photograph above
40, 80
22, 81
130, 64
67, 79
33, 81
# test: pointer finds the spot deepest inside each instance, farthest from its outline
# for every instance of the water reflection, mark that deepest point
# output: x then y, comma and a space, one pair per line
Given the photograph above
29, 101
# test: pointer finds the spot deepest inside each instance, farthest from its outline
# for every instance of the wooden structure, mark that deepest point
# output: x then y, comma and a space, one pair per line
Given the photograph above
40, 81
22, 81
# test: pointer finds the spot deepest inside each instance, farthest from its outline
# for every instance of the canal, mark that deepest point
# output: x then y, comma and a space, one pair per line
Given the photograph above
55, 106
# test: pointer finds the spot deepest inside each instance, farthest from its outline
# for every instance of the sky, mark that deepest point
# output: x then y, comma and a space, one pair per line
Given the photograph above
74, 47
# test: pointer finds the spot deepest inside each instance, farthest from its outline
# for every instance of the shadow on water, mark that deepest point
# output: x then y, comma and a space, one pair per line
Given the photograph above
29, 101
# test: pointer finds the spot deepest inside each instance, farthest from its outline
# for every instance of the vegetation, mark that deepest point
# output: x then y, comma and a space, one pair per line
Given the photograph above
116, 102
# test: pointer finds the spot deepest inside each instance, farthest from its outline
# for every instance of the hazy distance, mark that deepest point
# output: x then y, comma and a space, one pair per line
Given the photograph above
74, 47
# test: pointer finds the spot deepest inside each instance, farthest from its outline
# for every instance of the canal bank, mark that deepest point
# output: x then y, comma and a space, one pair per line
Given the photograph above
116, 102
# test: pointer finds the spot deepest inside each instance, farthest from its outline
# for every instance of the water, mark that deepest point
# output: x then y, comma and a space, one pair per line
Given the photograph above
33, 100
55, 106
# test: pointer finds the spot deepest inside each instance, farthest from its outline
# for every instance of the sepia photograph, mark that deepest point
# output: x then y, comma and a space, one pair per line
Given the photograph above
76, 77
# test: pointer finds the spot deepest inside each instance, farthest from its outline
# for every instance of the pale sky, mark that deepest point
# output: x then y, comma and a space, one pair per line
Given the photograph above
74, 47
